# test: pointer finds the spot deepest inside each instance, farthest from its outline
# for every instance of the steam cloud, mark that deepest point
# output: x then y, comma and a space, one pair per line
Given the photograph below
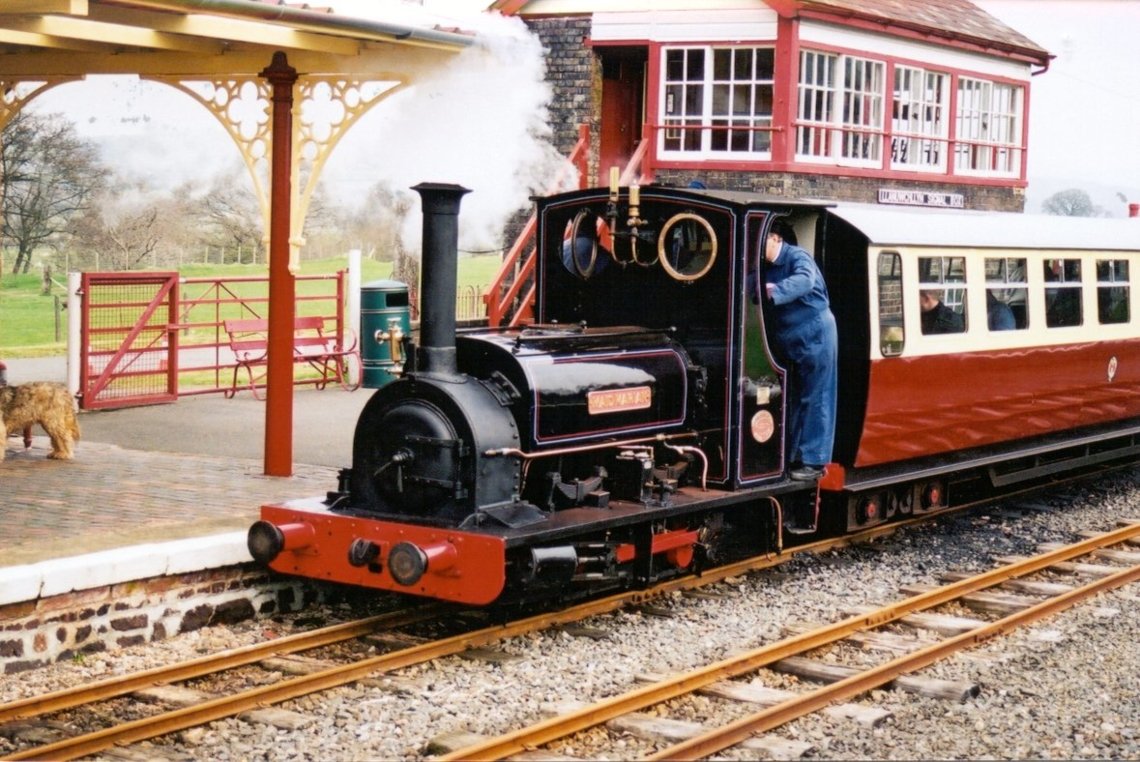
481, 122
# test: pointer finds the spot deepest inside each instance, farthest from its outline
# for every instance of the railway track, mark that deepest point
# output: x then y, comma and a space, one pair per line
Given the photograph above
320, 677
1030, 601
41, 708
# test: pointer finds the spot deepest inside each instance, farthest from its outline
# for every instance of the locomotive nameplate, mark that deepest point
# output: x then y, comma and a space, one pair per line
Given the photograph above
619, 400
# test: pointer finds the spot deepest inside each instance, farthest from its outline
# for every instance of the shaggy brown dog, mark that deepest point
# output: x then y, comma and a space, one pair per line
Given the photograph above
47, 404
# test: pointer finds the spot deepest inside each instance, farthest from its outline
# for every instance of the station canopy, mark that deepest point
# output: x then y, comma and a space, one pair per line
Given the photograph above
252, 64
206, 37
216, 51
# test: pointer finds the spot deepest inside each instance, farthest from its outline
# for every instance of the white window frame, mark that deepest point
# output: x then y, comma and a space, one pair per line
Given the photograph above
988, 134
954, 292
840, 115
695, 111
919, 123
1062, 285
1117, 278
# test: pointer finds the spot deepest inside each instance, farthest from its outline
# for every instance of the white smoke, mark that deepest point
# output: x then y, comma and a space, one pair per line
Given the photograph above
481, 121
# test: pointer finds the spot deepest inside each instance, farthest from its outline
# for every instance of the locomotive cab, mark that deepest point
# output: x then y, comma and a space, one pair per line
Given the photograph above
683, 261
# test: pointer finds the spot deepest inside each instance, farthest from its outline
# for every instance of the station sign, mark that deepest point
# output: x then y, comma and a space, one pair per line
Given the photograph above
912, 197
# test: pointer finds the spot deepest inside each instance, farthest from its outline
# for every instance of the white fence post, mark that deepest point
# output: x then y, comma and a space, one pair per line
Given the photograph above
353, 306
74, 323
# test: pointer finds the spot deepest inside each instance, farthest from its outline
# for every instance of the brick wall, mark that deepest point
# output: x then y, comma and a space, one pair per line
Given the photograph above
38, 632
575, 79
840, 188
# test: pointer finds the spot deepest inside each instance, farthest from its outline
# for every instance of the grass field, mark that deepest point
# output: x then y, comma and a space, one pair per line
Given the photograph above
28, 319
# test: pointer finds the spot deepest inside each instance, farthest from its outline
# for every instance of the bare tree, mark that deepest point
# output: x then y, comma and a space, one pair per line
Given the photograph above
50, 176
377, 224
1073, 202
125, 237
230, 213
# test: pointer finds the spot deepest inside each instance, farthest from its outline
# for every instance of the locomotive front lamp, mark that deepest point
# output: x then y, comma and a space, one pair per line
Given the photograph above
266, 541
408, 562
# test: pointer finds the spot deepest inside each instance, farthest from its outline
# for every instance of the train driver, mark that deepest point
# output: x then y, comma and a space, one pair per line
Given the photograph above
805, 331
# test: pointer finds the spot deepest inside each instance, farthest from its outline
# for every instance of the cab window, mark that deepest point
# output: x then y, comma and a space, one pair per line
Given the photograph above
891, 336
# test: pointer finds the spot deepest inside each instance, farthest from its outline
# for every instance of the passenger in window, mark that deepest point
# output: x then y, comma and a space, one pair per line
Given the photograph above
805, 332
936, 316
998, 314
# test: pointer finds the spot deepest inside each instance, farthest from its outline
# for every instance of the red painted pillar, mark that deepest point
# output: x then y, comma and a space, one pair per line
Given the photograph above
282, 296
785, 110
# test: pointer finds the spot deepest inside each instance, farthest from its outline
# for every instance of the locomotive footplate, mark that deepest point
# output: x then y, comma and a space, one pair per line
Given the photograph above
462, 565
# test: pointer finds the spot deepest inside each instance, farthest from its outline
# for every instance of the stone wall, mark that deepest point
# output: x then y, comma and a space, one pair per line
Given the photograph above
575, 78
37, 632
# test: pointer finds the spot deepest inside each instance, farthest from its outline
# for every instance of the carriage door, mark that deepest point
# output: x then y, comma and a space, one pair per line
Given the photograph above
762, 379
623, 85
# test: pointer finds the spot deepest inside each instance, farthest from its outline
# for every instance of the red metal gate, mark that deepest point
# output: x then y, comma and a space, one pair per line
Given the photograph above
129, 348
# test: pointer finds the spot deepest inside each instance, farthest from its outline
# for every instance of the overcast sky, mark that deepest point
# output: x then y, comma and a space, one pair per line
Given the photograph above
1084, 123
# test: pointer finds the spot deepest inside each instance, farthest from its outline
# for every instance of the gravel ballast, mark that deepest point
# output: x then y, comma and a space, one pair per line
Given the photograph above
1065, 687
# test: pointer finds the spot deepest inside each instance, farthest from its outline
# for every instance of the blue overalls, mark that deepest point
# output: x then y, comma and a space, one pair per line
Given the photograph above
805, 330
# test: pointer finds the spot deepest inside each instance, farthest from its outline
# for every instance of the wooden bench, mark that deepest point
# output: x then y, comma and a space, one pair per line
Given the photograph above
249, 341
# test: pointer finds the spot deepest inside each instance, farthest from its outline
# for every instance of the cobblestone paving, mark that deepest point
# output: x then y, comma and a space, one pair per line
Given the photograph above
110, 496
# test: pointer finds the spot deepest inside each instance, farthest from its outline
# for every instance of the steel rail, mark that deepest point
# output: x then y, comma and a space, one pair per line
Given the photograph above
200, 714
721, 738
181, 719
679, 685
237, 657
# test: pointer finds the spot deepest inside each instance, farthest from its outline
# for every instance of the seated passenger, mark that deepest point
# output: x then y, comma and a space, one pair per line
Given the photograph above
936, 316
999, 314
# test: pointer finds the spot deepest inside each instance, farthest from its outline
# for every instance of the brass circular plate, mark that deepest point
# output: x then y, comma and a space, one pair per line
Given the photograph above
687, 246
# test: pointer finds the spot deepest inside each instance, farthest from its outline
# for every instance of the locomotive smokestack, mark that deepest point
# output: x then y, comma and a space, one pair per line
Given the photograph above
440, 202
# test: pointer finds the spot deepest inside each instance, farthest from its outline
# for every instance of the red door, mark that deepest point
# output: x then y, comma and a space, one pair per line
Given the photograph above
623, 88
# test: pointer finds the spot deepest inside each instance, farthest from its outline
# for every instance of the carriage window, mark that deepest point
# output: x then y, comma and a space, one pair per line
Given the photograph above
942, 294
1112, 290
1006, 293
891, 336
1063, 293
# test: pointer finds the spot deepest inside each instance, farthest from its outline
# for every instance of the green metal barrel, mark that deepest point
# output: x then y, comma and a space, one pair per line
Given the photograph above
384, 319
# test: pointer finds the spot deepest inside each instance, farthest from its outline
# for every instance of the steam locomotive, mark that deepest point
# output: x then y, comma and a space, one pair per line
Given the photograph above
635, 430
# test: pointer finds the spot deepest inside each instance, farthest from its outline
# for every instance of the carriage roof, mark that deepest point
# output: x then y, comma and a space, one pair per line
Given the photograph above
920, 226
